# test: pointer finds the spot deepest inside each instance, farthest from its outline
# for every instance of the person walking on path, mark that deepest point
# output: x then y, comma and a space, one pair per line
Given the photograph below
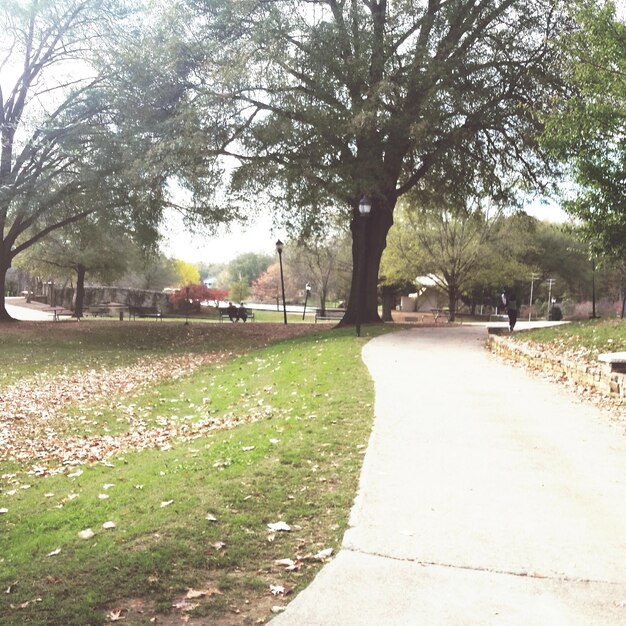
511, 309
488, 497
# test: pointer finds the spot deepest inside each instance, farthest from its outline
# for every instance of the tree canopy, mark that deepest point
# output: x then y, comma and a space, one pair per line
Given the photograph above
317, 103
586, 129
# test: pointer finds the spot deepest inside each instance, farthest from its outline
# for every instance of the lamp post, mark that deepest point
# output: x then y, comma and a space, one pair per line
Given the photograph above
307, 289
533, 278
365, 206
279, 249
187, 305
551, 282
593, 289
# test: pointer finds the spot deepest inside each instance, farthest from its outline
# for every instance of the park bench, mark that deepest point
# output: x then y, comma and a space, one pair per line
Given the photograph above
615, 360
329, 314
223, 313
144, 311
437, 313
59, 311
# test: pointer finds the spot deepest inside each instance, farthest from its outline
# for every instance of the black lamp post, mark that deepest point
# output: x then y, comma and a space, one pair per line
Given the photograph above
365, 206
307, 289
187, 306
279, 249
593, 289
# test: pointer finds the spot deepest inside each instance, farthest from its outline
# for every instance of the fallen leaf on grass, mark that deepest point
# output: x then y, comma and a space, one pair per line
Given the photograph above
248, 448
166, 503
277, 590
3, 511
116, 615
108, 525
103, 496
289, 564
54, 580
219, 545
199, 593
183, 605
279, 526
54, 552
86, 534
211, 518
322, 555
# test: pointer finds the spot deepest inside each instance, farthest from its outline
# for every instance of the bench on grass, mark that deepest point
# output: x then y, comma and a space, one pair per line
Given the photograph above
437, 313
144, 311
59, 311
329, 314
223, 313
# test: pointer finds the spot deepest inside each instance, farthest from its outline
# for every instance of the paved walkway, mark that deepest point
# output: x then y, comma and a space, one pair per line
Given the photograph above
487, 497
17, 309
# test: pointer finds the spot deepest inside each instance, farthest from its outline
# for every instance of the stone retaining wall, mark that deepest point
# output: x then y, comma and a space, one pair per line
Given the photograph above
586, 375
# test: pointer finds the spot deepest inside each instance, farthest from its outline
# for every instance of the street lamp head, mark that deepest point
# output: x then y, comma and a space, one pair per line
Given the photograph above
279, 246
308, 286
365, 206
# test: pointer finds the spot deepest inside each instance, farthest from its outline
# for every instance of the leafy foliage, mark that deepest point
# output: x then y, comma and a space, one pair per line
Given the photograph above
586, 129
320, 102
191, 297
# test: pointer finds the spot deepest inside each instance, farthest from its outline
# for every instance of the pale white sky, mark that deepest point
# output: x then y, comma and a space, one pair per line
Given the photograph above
258, 236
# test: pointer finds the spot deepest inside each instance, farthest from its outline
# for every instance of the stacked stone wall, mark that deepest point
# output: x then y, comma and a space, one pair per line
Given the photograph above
585, 375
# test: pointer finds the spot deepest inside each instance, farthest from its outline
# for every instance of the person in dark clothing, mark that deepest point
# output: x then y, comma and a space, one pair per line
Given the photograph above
511, 309
242, 314
232, 312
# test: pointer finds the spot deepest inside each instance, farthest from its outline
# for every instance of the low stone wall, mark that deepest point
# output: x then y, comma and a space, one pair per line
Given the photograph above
586, 375
95, 295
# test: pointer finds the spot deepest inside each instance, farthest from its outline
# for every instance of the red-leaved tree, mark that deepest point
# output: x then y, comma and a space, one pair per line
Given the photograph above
192, 296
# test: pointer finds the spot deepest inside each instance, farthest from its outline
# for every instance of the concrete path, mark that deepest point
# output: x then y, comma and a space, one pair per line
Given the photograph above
486, 497
17, 309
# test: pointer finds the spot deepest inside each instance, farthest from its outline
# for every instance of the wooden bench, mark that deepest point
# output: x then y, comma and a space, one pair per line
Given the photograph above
437, 313
144, 311
329, 314
58, 312
615, 360
223, 313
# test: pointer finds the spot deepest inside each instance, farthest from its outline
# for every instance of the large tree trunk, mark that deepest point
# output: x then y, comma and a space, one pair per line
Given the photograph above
389, 300
5, 264
80, 291
452, 298
369, 238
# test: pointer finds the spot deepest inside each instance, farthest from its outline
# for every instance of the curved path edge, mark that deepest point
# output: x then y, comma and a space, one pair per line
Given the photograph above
487, 496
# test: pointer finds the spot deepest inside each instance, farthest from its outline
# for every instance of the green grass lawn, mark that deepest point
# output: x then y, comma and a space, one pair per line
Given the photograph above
586, 339
187, 513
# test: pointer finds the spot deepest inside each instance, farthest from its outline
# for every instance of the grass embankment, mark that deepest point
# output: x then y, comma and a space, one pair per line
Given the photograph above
187, 516
580, 340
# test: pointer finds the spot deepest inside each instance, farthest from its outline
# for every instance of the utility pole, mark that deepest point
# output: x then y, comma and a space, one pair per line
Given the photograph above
533, 277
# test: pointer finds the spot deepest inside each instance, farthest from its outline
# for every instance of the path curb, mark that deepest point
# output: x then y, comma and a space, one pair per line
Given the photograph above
586, 375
